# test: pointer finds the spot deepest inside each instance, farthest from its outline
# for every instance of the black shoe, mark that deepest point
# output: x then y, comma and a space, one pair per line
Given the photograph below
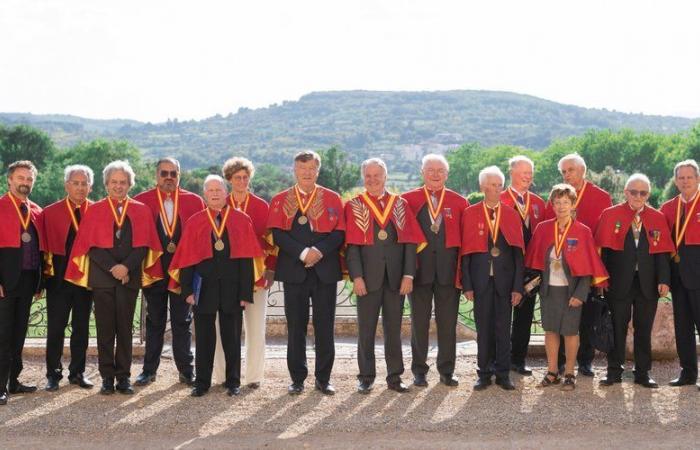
3, 398
185, 378
482, 383
51, 385
296, 388
254, 385
449, 380
522, 369
505, 383
365, 387
420, 380
144, 379
325, 388
586, 370
236, 390
682, 381
397, 386
107, 387
199, 391
81, 380
18, 388
647, 382
124, 386
609, 380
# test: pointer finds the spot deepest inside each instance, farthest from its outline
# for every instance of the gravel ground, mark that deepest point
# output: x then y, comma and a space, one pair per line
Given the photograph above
163, 415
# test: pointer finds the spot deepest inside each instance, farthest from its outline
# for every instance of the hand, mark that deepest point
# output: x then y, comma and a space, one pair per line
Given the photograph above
243, 303
515, 298
125, 280
312, 257
269, 278
469, 295
663, 290
2, 291
406, 286
190, 299
358, 287
574, 302
119, 271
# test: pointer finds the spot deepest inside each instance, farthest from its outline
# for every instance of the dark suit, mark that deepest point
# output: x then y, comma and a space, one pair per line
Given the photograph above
382, 266
634, 279
300, 284
492, 302
225, 283
435, 276
115, 303
524, 312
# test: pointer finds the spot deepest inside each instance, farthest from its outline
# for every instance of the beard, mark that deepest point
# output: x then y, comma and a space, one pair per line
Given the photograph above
24, 189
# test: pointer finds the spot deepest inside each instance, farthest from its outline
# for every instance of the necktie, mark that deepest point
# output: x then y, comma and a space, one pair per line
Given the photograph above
77, 214
218, 220
492, 214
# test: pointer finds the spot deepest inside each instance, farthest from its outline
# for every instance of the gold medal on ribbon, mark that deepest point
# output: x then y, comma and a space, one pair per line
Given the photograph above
171, 247
524, 211
435, 228
218, 231
382, 218
556, 264
676, 258
495, 252
73, 219
219, 245
559, 239
303, 207
303, 220
382, 235
24, 221
118, 219
434, 212
26, 237
494, 228
168, 226
680, 232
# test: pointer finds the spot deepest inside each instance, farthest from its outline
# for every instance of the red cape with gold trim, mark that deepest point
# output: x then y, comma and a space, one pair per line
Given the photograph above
595, 200
452, 207
537, 206
692, 233
579, 251
325, 213
11, 234
258, 210
56, 221
195, 244
189, 204
474, 222
97, 230
360, 231
615, 222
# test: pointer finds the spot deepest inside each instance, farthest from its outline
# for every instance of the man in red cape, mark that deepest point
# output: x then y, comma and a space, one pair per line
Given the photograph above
220, 249
21, 245
492, 275
439, 214
307, 225
382, 238
636, 243
116, 252
171, 207
590, 203
61, 222
683, 217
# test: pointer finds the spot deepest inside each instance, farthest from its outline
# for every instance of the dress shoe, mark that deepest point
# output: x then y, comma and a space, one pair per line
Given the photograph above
522, 369
185, 378
295, 388
609, 380
51, 385
325, 388
482, 383
254, 385
107, 387
420, 380
586, 370
81, 380
19, 388
449, 380
144, 379
199, 391
682, 381
505, 383
236, 390
365, 387
397, 386
3, 398
646, 382
124, 386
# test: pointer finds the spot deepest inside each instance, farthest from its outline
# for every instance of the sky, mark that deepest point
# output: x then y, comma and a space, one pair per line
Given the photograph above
152, 60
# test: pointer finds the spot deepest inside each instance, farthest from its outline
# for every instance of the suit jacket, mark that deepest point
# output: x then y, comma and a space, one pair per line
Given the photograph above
11, 264
435, 261
59, 263
579, 287
103, 259
166, 258
508, 269
290, 269
384, 260
225, 281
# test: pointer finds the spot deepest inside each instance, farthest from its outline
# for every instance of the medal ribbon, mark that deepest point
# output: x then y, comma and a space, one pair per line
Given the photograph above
680, 232
523, 212
434, 213
24, 221
559, 239
579, 195
169, 227
304, 207
220, 230
118, 220
383, 217
69, 207
496, 226
244, 208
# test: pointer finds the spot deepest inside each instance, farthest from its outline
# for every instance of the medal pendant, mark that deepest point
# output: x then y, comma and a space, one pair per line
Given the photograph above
677, 258
495, 252
171, 247
303, 220
435, 228
556, 264
26, 237
382, 235
219, 245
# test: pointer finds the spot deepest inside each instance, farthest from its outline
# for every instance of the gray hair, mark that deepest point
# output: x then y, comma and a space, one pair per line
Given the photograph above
515, 160
214, 177
373, 161
575, 158
119, 165
638, 177
686, 163
78, 168
170, 160
491, 171
430, 157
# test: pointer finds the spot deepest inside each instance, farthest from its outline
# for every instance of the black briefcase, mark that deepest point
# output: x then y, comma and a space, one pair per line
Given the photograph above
603, 337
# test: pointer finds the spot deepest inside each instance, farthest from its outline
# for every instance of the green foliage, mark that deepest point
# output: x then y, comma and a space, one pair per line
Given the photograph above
269, 180
23, 142
337, 172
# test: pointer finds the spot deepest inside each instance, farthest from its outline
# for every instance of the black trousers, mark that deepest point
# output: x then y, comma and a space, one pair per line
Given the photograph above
522, 326
230, 326
586, 352
63, 301
642, 311
296, 309
390, 302
446, 308
180, 324
686, 320
14, 320
114, 318
492, 314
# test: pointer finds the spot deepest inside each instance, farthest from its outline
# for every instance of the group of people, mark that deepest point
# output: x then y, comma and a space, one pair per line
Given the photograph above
213, 259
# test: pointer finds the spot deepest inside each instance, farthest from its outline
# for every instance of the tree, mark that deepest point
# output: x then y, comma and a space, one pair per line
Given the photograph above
24, 142
269, 180
337, 172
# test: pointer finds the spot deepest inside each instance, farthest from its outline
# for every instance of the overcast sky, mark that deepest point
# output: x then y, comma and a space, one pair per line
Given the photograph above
157, 59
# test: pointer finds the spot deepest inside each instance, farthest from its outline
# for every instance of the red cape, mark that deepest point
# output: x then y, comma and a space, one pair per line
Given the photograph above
325, 214
452, 207
360, 218
692, 233
195, 244
537, 206
97, 230
258, 210
615, 222
475, 230
11, 225
189, 204
579, 251
56, 222
594, 202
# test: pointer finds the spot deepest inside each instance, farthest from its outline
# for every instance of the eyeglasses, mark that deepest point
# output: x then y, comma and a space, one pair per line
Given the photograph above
636, 193
168, 173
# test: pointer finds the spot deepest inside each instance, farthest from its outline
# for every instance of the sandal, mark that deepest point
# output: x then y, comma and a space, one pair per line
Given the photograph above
550, 379
569, 382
